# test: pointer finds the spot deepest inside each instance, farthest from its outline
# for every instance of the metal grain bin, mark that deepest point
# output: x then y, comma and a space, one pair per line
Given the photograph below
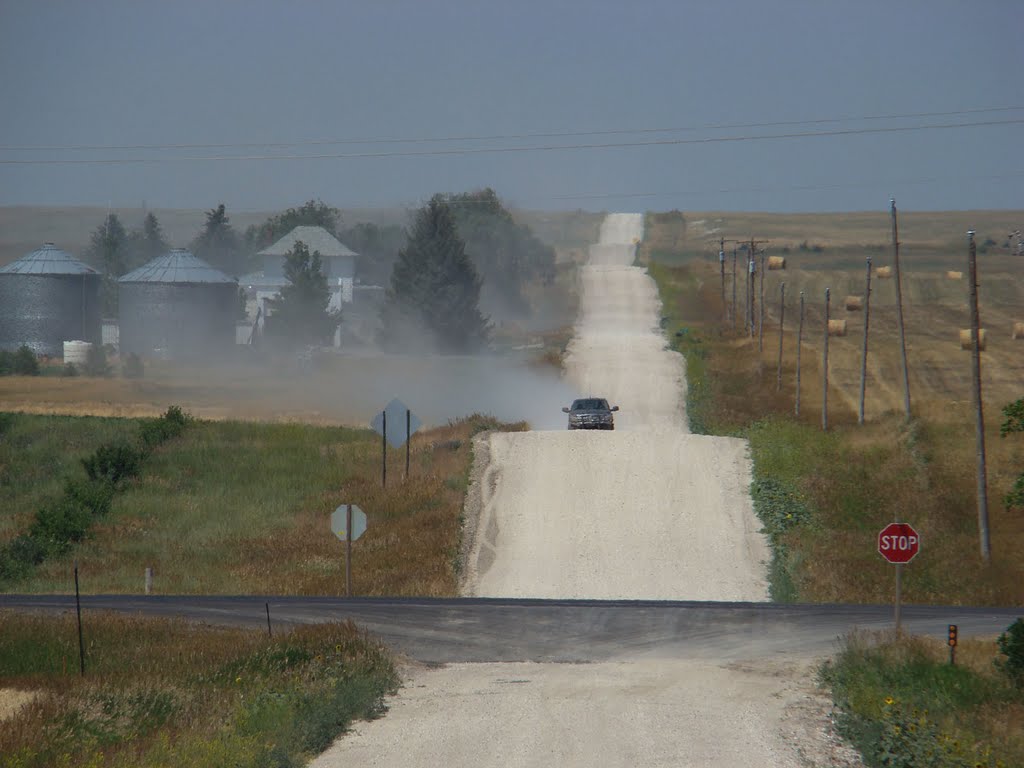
46, 298
177, 306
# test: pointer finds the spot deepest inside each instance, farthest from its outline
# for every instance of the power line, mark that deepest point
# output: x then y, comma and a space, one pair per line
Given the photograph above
494, 137
796, 188
511, 150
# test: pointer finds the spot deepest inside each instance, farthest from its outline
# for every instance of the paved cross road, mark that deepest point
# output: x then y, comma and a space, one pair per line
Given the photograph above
497, 630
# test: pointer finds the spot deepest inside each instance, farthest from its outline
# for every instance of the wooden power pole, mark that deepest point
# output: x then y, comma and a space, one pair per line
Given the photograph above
976, 392
799, 343
782, 323
824, 369
899, 307
864, 345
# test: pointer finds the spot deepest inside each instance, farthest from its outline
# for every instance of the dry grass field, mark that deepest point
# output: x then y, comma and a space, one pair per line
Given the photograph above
859, 477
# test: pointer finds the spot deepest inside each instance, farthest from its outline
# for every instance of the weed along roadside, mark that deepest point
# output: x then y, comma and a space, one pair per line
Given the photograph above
172, 693
243, 508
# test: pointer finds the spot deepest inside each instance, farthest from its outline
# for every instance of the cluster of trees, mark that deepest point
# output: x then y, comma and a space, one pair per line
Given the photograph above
462, 252
116, 251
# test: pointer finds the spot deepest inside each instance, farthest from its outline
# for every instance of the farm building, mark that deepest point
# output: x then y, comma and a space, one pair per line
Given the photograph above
177, 306
48, 297
337, 259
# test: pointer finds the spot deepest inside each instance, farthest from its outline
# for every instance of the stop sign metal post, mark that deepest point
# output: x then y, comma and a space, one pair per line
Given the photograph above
348, 522
898, 543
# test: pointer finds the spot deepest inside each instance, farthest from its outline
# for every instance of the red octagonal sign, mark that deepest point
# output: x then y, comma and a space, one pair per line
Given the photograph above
898, 542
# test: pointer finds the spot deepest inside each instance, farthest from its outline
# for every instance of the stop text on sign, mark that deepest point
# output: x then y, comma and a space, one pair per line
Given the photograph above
898, 543
901, 543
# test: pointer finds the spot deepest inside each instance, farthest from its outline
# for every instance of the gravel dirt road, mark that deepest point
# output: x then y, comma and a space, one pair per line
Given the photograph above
647, 511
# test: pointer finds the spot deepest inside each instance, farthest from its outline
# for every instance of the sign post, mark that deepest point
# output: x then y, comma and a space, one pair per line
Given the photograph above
395, 412
348, 523
898, 543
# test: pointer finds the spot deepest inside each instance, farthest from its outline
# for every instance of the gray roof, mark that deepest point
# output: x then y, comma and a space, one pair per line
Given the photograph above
178, 266
48, 260
314, 238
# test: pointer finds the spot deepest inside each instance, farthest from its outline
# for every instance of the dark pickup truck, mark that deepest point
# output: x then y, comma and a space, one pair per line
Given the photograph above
591, 413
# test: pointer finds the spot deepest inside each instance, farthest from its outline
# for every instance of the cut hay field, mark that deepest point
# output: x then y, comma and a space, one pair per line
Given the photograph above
831, 492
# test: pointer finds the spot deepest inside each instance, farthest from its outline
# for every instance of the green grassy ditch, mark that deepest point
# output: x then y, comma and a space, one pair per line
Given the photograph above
168, 693
903, 705
65, 520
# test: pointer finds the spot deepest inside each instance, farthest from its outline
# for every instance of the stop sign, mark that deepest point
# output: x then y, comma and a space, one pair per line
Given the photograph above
898, 542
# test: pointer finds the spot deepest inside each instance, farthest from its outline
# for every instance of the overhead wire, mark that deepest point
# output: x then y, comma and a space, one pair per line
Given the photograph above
514, 149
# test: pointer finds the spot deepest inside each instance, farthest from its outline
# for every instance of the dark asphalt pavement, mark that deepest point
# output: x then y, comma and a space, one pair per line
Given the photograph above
489, 630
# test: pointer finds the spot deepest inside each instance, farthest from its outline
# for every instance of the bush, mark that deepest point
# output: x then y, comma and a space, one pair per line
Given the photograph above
169, 425
60, 524
113, 462
24, 362
132, 367
96, 362
1011, 645
20, 555
93, 495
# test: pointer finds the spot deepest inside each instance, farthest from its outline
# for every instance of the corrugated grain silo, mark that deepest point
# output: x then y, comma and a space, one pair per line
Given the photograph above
48, 297
177, 305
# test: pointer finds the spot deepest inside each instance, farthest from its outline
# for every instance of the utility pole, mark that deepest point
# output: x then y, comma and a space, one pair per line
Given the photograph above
799, 344
899, 307
782, 323
864, 346
753, 274
824, 369
979, 415
734, 287
721, 268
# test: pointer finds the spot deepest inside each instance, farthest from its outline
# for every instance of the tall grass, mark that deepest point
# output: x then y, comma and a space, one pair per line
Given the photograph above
902, 704
244, 508
167, 692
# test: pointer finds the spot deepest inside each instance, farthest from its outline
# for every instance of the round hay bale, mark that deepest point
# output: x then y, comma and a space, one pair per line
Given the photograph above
883, 272
1018, 331
776, 262
854, 303
836, 327
954, 275
965, 338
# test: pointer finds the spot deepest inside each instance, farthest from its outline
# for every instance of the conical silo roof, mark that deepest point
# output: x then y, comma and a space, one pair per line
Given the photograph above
48, 260
177, 267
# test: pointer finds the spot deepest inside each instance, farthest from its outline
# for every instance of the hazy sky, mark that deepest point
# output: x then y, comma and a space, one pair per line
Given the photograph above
120, 74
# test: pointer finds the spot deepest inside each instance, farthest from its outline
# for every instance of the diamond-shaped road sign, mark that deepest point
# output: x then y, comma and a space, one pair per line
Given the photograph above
339, 519
396, 412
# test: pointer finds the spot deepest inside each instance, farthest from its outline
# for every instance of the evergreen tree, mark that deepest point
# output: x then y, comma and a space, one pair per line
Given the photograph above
376, 248
109, 251
301, 314
146, 244
218, 244
434, 286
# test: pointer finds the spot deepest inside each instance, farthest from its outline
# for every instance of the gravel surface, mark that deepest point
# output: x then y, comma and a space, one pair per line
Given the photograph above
647, 511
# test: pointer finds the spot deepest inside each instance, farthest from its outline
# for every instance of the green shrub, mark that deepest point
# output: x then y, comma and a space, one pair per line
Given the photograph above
96, 362
24, 362
113, 462
1011, 645
20, 556
59, 524
169, 425
93, 495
